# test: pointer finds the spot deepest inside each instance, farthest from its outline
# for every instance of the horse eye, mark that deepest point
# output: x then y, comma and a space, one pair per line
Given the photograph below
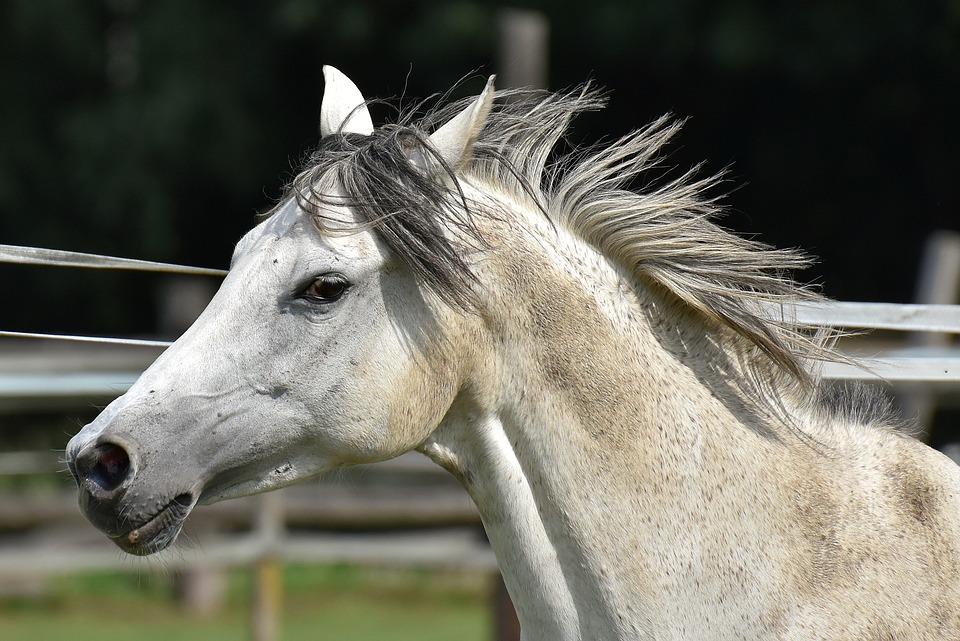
325, 289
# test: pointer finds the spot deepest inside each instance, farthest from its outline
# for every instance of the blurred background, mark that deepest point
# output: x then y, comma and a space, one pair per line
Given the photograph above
158, 130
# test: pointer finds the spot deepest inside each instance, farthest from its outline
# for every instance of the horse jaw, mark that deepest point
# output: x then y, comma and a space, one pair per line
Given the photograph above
342, 109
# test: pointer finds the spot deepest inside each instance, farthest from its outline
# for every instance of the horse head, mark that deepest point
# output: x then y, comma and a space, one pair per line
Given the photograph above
321, 349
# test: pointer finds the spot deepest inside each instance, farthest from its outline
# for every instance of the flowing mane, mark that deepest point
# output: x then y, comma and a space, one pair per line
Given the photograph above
662, 236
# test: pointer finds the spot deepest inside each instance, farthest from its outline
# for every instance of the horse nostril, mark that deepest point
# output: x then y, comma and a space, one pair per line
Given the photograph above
183, 500
106, 465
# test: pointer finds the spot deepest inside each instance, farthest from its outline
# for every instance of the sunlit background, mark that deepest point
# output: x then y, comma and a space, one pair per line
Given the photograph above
159, 130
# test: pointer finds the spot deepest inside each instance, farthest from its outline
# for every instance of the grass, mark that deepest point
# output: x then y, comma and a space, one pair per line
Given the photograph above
320, 602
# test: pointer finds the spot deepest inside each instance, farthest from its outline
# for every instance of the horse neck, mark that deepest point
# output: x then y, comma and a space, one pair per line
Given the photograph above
579, 425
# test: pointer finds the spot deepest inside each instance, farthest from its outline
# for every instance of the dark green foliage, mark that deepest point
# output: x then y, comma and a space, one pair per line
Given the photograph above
158, 129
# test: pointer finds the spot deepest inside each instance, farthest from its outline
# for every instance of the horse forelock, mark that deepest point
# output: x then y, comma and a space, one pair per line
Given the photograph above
664, 234
410, 211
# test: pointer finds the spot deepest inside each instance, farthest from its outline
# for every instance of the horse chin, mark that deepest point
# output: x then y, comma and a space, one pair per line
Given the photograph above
159, 531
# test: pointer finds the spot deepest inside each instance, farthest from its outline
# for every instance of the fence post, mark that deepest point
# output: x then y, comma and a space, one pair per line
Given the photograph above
201, 588
268, 569
523, 50
938, 283
506, 623
523, 61
182, 299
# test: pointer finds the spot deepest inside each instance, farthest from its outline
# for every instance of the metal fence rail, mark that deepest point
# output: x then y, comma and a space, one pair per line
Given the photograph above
20, 255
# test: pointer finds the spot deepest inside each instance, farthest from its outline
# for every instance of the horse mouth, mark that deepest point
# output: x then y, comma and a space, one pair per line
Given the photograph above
159, 531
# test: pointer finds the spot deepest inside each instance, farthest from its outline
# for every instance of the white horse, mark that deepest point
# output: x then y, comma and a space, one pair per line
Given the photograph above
647, 444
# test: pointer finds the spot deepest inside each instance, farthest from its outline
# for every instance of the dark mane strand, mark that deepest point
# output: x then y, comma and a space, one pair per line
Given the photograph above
409, 209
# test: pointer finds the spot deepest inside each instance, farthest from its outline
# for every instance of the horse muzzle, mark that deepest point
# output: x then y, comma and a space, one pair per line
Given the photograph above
111, 498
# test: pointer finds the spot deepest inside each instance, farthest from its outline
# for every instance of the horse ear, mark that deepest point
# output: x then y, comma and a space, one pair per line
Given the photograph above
343, 109
454, 140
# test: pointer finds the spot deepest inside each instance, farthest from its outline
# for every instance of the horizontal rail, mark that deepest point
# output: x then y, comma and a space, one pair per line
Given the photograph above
460, 548
59, 258
890, 316
71, 384
138, 342
856, 315
29, 463
903, 317
929, 369
902, 365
